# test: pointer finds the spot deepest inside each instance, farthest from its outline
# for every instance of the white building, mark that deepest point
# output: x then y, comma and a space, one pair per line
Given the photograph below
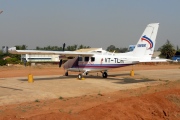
5, 49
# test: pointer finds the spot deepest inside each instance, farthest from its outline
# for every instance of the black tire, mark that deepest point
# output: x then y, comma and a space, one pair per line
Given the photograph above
66, 74
79, 76
104, 74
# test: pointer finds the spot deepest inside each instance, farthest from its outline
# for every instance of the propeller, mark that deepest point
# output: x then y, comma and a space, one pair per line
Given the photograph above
64, 46
60, 62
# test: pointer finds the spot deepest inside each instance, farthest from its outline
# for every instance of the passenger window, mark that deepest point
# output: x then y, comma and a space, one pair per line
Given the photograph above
80, 58
92, 59
86, 59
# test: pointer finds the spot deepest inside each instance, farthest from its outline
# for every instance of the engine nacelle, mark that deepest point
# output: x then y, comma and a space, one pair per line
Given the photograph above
63, 57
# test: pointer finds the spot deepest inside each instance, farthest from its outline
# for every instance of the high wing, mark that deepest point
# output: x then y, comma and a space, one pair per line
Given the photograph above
13, 50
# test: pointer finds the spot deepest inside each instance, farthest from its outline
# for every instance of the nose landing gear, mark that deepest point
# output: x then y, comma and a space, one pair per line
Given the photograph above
104, 74
66, 73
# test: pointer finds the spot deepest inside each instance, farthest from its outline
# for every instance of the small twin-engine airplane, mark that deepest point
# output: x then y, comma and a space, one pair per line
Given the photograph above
101, 60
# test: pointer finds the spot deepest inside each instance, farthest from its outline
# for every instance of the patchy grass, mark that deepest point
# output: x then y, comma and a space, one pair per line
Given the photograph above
23, 110
175, 99
36, 100
70, 111
61, 110
100, 94
61, 98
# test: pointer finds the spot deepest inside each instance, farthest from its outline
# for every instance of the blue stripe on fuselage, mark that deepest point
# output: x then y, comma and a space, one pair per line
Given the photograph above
101, 66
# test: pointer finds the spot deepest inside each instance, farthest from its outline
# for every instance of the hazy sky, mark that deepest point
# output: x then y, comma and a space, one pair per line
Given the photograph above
95, 23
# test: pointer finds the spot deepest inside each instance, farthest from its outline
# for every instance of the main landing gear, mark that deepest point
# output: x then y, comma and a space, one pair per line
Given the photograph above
80, 75
104, 75
66, 73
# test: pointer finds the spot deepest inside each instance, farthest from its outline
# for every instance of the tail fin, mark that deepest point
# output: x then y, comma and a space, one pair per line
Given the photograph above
146, 44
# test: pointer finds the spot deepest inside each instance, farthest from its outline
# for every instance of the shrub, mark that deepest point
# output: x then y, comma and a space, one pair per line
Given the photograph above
13, 61
3, 62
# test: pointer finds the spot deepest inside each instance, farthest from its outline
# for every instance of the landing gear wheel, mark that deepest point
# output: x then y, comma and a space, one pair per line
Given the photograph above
104, 74
80, 76
66, 74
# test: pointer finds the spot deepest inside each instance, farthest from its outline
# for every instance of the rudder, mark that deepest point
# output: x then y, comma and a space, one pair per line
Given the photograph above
146, 44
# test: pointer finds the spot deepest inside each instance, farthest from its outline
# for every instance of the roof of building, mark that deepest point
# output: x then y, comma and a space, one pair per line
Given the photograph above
156, 54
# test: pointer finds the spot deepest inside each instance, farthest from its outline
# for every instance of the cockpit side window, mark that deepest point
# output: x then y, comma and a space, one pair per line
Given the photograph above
92, 59
86, 59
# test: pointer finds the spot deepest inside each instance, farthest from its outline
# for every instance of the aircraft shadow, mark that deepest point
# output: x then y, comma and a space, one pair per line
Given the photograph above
114, 77
11, 88
59, 77
122, 78
48, 78
131, 80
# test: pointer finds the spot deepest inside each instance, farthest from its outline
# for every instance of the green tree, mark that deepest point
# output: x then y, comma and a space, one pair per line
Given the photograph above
21, 47
82, 47
111, 48
71, 48
38, 48
123, 50
167, 50
177, 49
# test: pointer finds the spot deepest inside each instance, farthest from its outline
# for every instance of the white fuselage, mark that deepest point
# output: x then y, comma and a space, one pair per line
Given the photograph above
98, 62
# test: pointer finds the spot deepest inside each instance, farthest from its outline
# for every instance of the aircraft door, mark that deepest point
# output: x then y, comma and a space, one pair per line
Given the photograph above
80, 60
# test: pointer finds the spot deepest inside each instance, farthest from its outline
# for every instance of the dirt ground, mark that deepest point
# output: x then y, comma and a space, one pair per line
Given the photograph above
149, 102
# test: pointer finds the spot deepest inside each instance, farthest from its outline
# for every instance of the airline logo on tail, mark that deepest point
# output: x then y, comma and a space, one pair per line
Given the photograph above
147, 40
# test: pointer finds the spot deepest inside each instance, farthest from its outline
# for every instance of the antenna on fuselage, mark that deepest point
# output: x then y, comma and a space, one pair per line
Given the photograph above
114, 52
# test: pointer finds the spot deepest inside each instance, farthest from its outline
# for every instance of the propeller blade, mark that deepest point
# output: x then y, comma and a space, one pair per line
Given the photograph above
60, 63
64, 46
